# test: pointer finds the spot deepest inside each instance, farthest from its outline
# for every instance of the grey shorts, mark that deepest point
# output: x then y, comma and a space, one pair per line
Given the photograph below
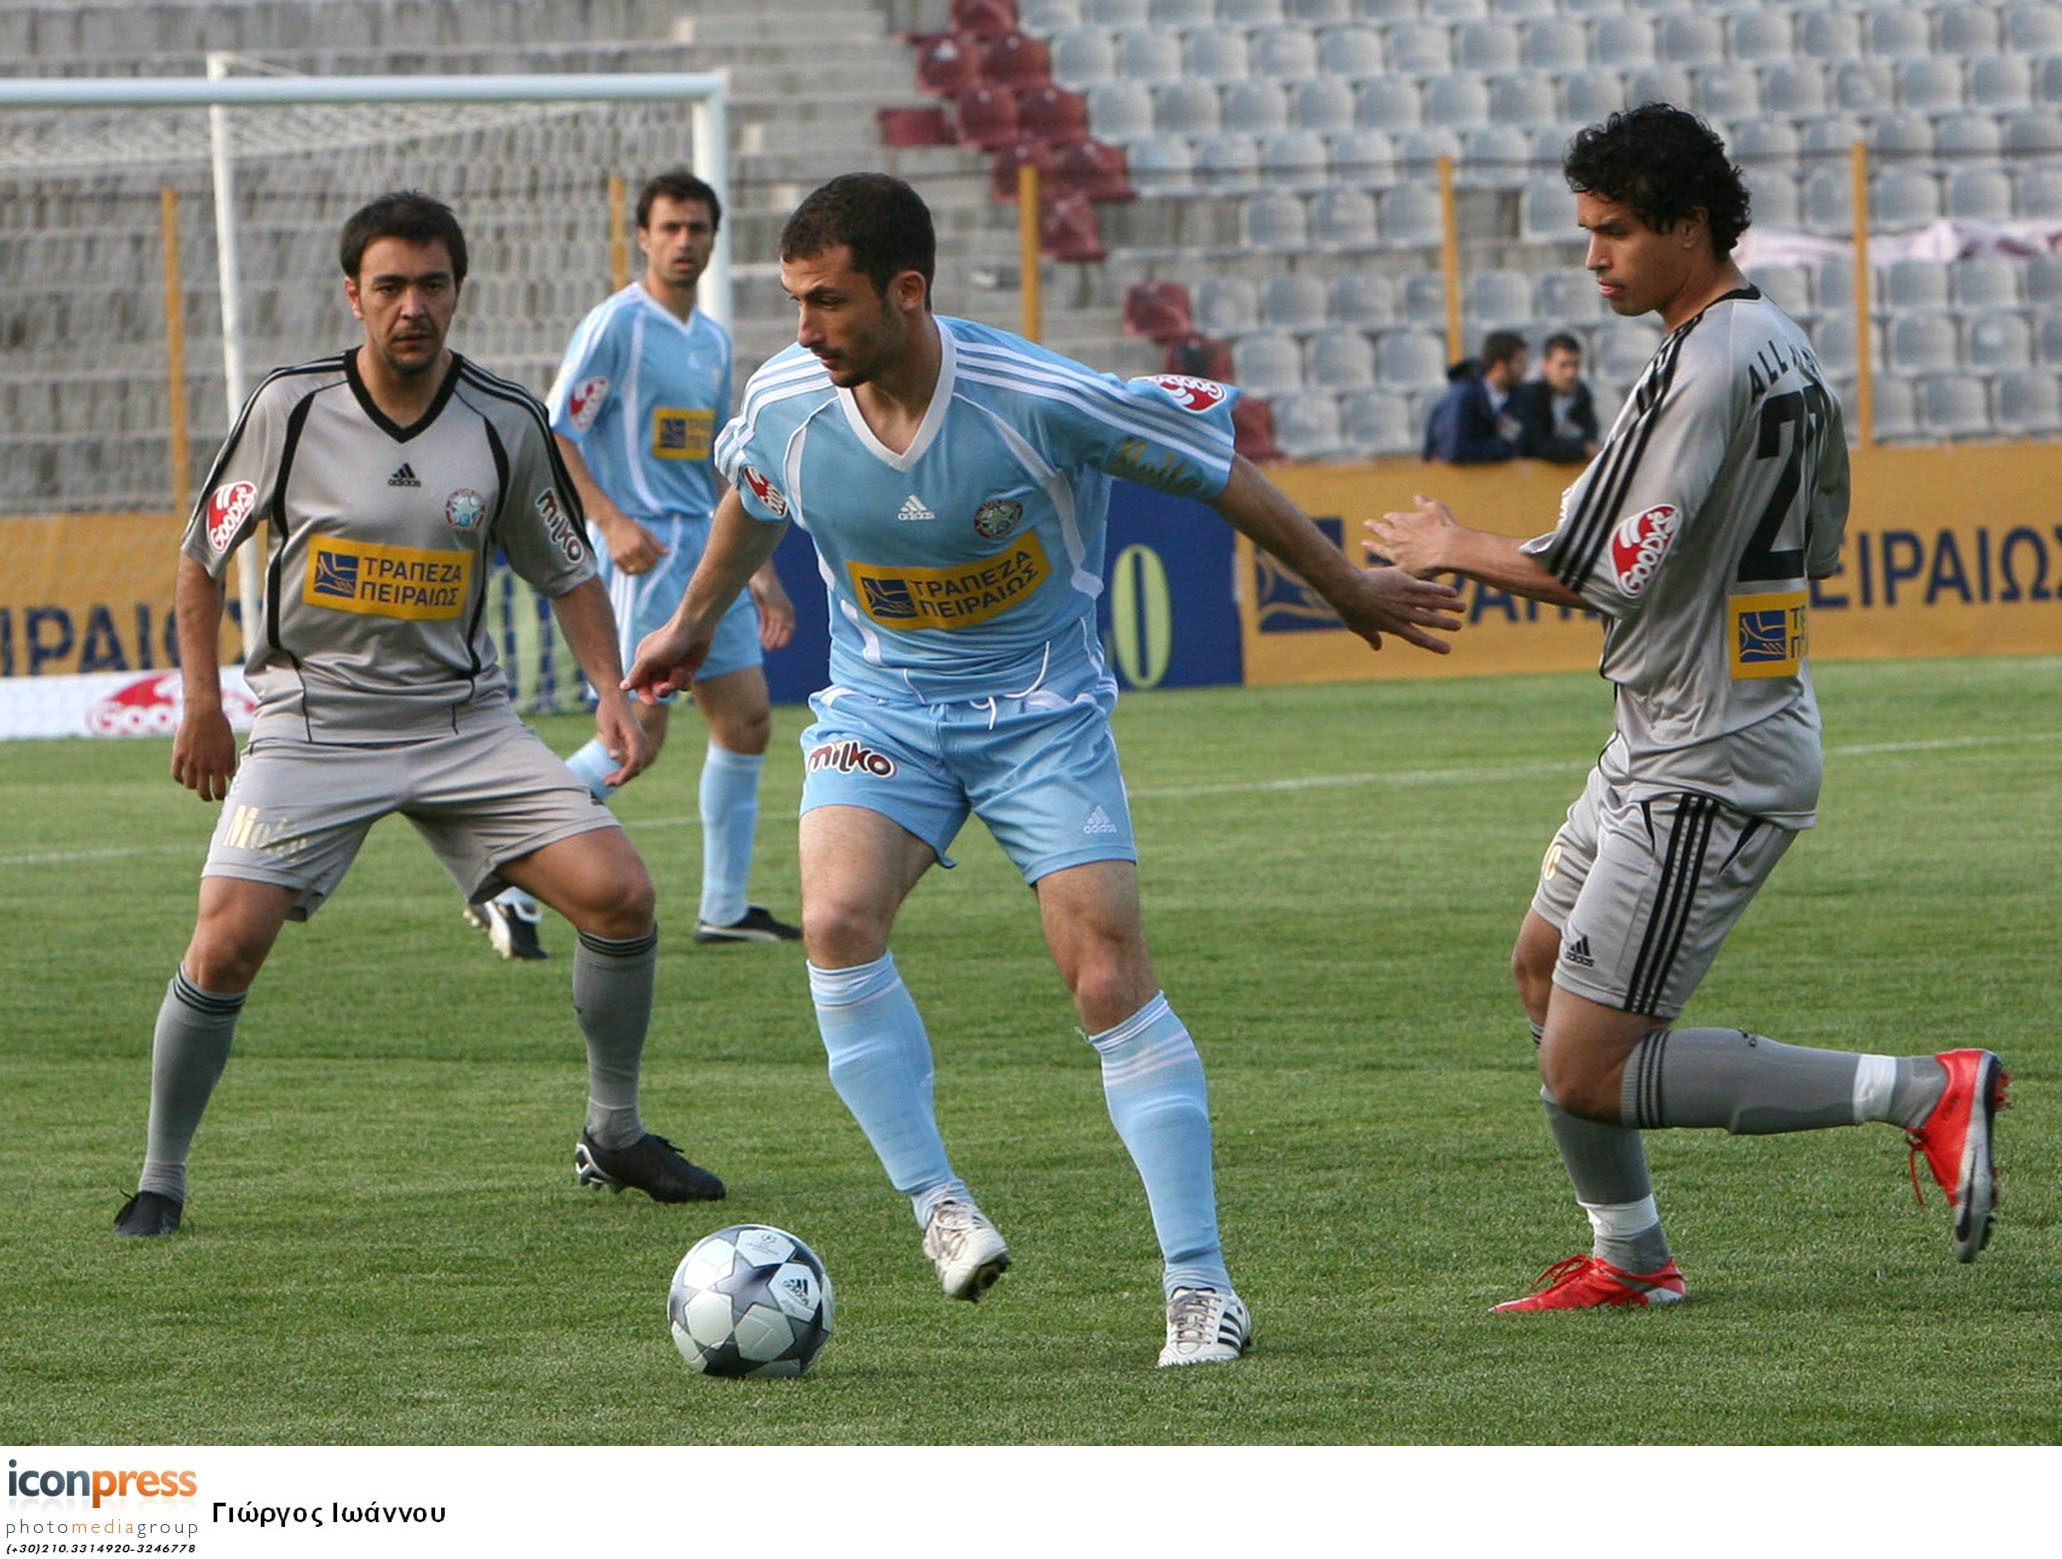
297, 811
1644, 890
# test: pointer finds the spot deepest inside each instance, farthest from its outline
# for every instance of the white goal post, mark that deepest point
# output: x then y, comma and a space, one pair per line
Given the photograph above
222, 94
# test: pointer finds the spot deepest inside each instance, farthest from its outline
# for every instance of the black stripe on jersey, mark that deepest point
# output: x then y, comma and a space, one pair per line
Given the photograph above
319, 366
472, 629
381, 420
290, 445
478, 378
1582, 540
1681, 871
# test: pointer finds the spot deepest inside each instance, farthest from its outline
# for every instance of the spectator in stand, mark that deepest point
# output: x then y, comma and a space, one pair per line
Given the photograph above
1473, 423
1557, 416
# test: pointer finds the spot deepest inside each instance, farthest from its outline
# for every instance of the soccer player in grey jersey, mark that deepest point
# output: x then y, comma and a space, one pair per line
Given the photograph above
1720, 493
383, 479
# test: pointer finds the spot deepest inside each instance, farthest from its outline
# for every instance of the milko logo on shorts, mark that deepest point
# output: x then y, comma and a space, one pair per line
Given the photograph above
847, 755
950, 598
1769, 637
377, 581
1640, 543
682, 432
228, 507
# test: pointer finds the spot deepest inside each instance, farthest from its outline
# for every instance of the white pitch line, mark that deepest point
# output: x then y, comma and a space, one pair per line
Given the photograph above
1479, 774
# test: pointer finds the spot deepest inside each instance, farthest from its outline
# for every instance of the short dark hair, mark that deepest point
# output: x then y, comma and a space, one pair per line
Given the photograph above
1560, 341
677, 184
1666, 164
406, 214
878, 217
1500, 346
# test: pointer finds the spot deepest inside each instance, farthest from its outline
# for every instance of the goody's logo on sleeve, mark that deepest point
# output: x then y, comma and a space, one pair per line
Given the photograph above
586, 401
1190, 393
228, 507
771, 498
1639, 544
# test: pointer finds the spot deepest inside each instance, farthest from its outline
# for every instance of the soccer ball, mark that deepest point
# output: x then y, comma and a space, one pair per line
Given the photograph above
750, 1300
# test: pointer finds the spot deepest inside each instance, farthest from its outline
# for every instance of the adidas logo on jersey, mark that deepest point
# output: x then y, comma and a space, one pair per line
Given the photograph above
404, 477
913, 509
1577, 952
1098, 823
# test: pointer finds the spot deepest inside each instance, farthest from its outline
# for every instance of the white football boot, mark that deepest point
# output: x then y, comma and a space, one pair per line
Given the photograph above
965, 1248
1205, 1327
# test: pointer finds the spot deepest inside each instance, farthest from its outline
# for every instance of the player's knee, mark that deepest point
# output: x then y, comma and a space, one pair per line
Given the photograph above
1107, 991
747, 732
220, 962
839, 934
1578, 1085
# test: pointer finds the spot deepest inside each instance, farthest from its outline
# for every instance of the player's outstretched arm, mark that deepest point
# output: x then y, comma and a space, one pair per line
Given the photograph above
739, 546
589, 627
204, 749
1429, 540
1371, 602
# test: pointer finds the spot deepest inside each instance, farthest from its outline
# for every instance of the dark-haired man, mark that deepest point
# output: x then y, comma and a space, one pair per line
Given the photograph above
1472, 422
955, 479
384, 479
1720, 493
1556, 415
643, 388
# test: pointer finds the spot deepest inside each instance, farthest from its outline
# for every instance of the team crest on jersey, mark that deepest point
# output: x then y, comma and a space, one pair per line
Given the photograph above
584, 404
775, 501
464, 510
228, 507
1640, 543
997, 517
565, 535
1192, 394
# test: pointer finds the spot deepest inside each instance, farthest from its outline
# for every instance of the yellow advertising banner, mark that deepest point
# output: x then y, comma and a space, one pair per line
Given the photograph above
86, 593
1950, 551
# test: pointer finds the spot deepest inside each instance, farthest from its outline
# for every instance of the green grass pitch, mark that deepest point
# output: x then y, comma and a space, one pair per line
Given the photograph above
385, 1243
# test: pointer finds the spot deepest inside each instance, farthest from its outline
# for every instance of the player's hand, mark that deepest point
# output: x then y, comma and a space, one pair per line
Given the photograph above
1414, 610
1415, 540
204, 753
621, 737
632, 548
776, 611
666, 662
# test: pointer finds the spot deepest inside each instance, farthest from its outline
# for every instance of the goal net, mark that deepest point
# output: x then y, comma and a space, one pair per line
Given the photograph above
121, 352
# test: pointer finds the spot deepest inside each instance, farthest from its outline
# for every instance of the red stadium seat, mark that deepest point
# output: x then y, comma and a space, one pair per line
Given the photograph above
1093, 168
1159, 311
926, 126
948, 64
1006, 160
1052, 114
984, 18
1068, 230
987, 117
1015, 60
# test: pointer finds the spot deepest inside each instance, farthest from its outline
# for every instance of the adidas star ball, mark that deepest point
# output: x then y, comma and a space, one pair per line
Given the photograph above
750, 1300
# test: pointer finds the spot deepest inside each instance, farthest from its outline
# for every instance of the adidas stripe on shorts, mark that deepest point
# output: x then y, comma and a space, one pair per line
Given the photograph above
1644, 891
1039, 770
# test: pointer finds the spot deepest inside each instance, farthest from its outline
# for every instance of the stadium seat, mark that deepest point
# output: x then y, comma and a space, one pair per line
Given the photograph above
1249, 13
1252, 426
1488, 47
2029, 402
1864, 86
1046, 17
1285, 53
1292, 301
1005, 161
1352, 52
1691, 38
1968, 138
1016, 60
2033, 132
1523, 9
1904, 198
2044, 279
1979, 195
1255, 107
1411, 217
1180, 13
949, 65
1999, 83
1068, 229
1362, 300
1827, 196
1832, 287
1896, 406
1929, 85
1761, 35
1659, 84
987, 118
1296, 160
2047, 80
1323, 104
1227, 306
1497, 156
1828, 34
1365, 156
1267, 363
1921, 344
1497, 299
1319, 12
1795, 87
984, 18
1418, 153
1455, 101
1342, 220
1273, 223
1376, 422
1120, 111
1216, 54
1913, 285
1082, 56
1728, 93
1162, 165
1306, 426
2033, 28
1828, 140
1229, 164
1158, 311
1624, 41
1340, 360
1553, 44
1996, 341
1953, 406
1777, 205
1897, 32
1770, 139
1519, 102
1387, 103
1965, 29
1788, 287
1187, 108
1546, 212
1591, 96
1421, 299
1408, 359
1567, 296
1419, 49
1148, 54
926, 126
1092, 168
1624, 347
2037, 193
2047, 331
1052, 114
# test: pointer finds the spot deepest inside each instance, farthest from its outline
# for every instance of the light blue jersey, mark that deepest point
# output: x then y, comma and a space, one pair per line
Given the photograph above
643, 394
970, 564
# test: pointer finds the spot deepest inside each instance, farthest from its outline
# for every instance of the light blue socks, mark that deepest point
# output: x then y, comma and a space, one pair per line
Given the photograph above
730, 816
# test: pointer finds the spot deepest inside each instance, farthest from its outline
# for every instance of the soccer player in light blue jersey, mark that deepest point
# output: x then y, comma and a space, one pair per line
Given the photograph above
955, 479
645, 384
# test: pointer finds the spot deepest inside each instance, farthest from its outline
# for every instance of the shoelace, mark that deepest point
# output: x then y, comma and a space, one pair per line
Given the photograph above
1191, 1318
1566, 1270
1917, 1143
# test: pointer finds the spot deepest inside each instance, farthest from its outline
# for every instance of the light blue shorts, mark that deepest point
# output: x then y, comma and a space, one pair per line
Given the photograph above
1040, 771
643, 602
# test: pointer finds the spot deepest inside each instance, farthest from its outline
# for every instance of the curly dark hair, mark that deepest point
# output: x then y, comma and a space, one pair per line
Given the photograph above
1666, 164
878, 217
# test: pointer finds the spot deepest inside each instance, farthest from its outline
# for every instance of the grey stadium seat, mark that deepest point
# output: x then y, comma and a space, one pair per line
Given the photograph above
1762, 34
1082, 56
1498, 299
1410, 217
1306, 426
1323, 104
1488, 47
2029, 401
1930, 85
1376, 422
1363, 300
1914, 286
1519, 101
1796, 87
1386, 103
1296, 159
1456, 101
1352, 52
1410, 360
1968, 137
1905, 198
1293, 301
1287, 53
1788, 287
1267, 363
1149, 54
1997, 341
1343, 220
1367, 156
1229, 164
1274, 222
1622, 42
1727, 92
1120, 111
1226, 307
1186, 107
2034, 28
2037, 193
1897, 32
1691, 38
1989, 281
1592, 95
1419, 48
1953, 406
1979, 195
1340, 360
1421, 299
1567, 296
1254, 107
1216, 54
2000, 82
1828, 34
1896, 405
1554, 44
1922, 343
